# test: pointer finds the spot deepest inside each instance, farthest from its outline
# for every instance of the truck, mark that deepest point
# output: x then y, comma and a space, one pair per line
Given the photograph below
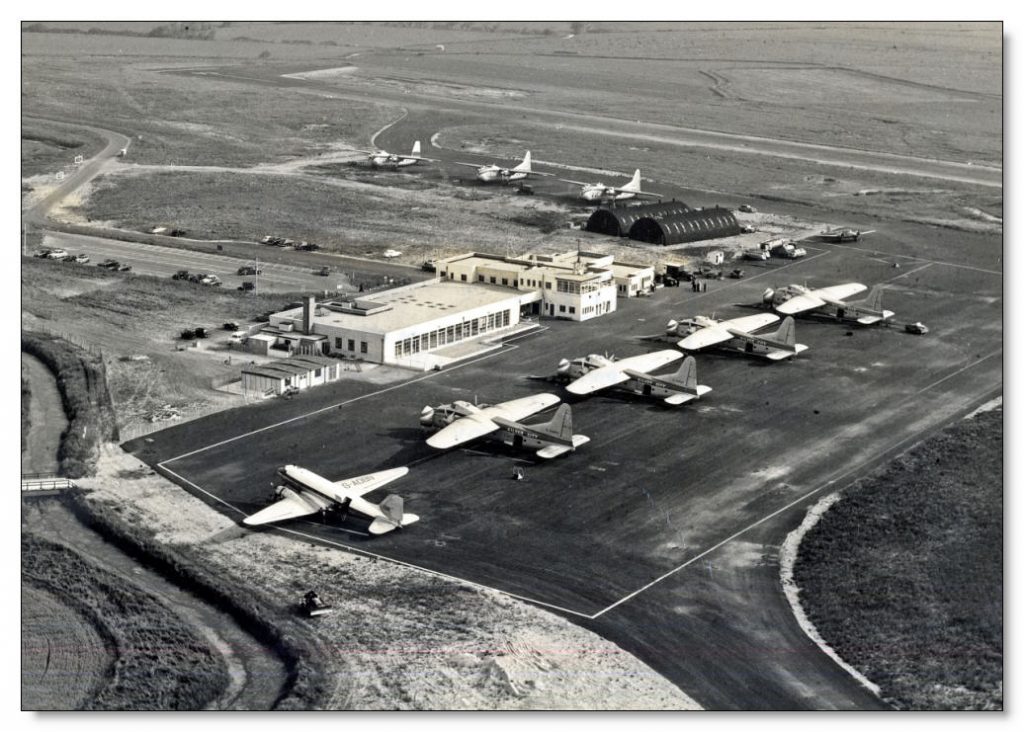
789, 251
181, 274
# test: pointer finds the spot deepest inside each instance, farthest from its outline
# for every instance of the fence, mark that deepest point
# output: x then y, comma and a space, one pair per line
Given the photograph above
35, 485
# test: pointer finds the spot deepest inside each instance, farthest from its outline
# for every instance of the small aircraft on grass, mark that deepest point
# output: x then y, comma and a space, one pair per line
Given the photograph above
461, 422
795, 299
384, 159
601, 193
304, 493
737, 333
593, 373
841, 235
490, 173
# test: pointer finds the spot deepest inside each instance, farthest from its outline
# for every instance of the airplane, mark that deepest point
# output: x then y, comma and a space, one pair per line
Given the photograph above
701, 332
489, 173
461, 422
304, 493
795, 299
593, 373
384, 159
601, 192
841, 235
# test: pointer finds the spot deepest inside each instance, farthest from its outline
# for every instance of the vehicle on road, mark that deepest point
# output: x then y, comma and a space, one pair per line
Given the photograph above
52, 254
82, 258
249, 269
114, 266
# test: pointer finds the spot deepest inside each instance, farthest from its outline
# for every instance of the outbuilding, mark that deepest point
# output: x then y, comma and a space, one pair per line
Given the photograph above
298, 372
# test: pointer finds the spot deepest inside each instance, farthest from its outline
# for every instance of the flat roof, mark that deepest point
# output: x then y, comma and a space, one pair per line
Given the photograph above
290, 367
412, 306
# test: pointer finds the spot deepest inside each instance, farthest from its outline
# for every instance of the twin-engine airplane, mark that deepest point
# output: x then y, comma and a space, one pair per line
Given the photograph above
795, 299
490, 173
593, 373
601, 192
461, 422
737, 333
304, 493
384, 159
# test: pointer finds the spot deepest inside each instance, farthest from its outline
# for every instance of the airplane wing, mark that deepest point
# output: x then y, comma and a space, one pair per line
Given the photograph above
705, 337
840, 292
645, 194
648, 362
292, 506
360, 486
534, 172
519, 409
598, 379
575, 182
799, 304
471, 165
462, 430
750, 323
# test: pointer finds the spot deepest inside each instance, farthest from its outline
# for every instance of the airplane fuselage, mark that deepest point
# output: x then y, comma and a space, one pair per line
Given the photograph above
391, 161
509, 432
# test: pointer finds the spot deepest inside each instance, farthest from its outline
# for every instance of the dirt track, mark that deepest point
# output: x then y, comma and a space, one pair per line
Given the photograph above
47, 418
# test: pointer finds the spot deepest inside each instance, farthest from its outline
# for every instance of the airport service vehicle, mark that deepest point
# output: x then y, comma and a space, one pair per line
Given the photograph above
460, 422
756, 254
303, 493
737, 334
491, 173
736, 274
384, 159
789, 251
601, 193
593, 373
841, 235
747, 208
795, 299
918, 328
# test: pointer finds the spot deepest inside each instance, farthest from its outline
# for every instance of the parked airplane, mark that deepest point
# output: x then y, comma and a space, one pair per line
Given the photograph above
384, 159
830, 300
601, 192
737, 333
461, 422
489, 173
304, 493
841, 235
593, 373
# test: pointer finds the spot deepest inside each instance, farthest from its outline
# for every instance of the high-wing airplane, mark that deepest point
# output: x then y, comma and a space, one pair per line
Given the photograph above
461, 422
593, 373
489, 173
601, 192
841, 235
737, 333
384, 159
304, 493
831, 301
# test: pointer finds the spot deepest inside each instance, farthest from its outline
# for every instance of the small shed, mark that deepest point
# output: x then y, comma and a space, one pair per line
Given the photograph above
301, 372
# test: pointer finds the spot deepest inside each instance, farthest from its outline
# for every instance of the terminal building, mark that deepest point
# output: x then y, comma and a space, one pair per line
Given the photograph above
572, 285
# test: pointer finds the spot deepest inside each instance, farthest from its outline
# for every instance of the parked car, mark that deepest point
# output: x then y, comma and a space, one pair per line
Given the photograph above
324, 271
111, 264
249, 269
247, 286
79, 258
747, 208
916, 328
230, 325
181, 274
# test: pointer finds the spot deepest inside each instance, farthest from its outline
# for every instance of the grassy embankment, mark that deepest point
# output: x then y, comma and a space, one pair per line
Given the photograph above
307, 684
904, 575
26, 411
160, 663
47, 147
81, 378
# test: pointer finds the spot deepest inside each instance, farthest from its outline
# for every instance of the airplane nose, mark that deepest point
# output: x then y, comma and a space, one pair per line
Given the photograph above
563, 365
427, 416
671, 326
768, 296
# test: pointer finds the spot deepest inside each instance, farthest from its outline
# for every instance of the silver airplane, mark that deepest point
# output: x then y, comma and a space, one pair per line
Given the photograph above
593, 373
461, 422
795, 299
600, 192
737, 334
491, 173
384, 159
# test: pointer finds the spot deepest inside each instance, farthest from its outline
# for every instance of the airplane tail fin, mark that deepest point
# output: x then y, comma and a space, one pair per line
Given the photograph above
526, 165
786, 332
686, 376
392, 507
634, 183
416, 148
561, 424
874, 299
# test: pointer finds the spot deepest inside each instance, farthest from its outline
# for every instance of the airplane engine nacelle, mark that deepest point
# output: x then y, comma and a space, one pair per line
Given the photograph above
769, 296
670, 328
563, 366
427, 417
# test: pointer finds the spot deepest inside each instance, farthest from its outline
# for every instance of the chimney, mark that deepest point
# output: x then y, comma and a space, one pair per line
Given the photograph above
308, 313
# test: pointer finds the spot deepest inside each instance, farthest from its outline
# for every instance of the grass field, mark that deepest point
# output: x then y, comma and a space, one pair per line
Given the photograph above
47, 147
904, 575
160, 663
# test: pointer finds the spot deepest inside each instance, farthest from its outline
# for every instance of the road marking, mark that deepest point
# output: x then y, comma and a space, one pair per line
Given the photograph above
907, 274
415, 380
804, 497
919, 259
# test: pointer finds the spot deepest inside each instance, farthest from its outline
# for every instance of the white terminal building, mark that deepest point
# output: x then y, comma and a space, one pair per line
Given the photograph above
476, 299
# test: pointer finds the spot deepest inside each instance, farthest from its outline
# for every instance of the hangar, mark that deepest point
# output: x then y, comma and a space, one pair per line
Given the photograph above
671, 222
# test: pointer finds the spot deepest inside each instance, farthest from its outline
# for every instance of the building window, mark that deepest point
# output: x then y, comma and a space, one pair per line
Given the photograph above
504, 281
515, 283
362, 346
398, 349
351, 344
288, 381
317, 373
561, 308
493, 281
547, 285
479, 278
572, 310
338, 343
